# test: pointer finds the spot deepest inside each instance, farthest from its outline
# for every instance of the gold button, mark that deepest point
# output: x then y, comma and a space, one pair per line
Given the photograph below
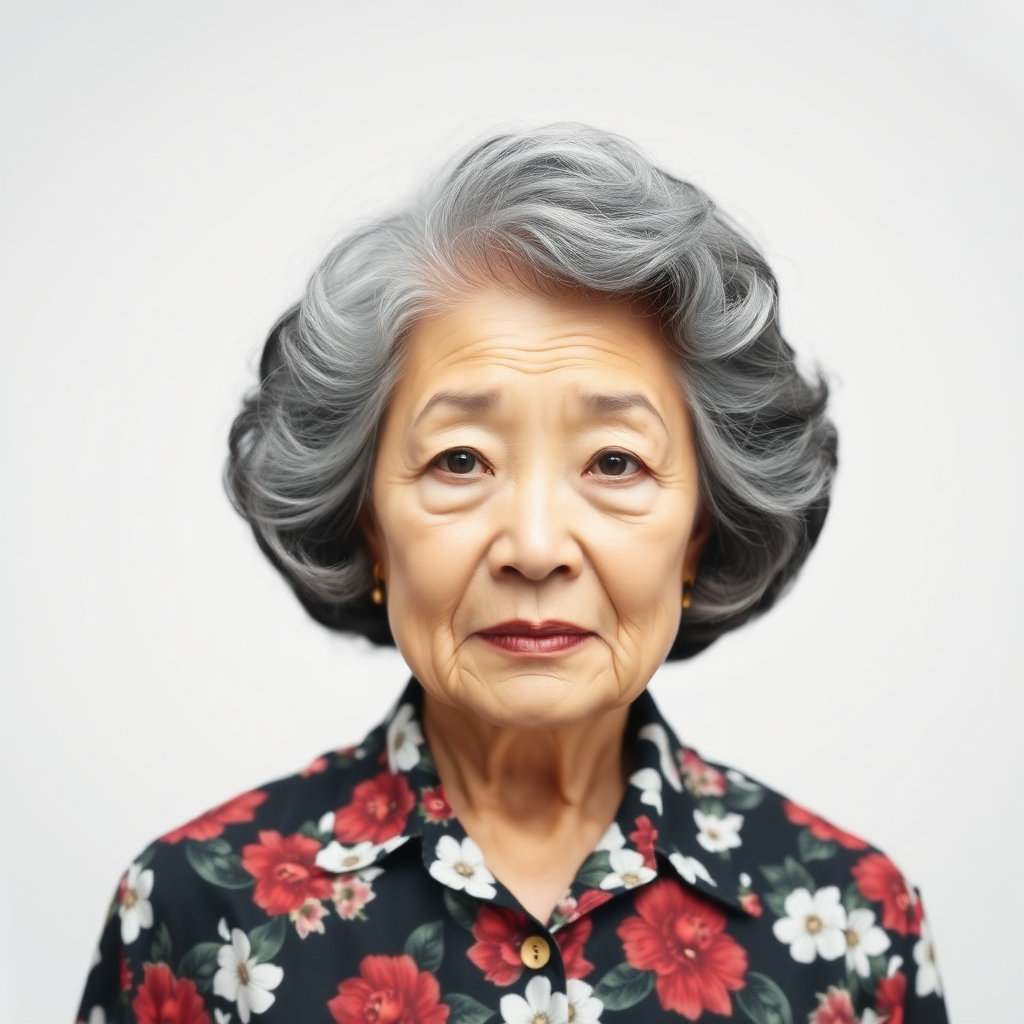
535, 951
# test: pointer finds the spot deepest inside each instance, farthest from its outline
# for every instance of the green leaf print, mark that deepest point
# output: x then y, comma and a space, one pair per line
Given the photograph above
812, 848
200, 964
267, 939
744, 798
595, 868
218, 864
426, 946
623, 987
763, 1001
160, 949
789, 875
466, 1010
461, 907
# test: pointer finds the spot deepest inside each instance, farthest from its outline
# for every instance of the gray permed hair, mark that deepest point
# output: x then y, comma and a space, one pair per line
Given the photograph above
573, 207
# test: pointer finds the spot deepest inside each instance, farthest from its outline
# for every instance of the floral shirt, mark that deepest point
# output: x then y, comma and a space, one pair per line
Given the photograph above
349, 893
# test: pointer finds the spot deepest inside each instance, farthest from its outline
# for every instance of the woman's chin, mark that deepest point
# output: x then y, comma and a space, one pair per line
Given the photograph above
539, 694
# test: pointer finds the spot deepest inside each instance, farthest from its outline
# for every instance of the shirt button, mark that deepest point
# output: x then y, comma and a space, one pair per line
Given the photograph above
535, 951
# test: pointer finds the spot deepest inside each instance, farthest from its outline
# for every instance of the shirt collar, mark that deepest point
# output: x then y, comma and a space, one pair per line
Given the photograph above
679, 814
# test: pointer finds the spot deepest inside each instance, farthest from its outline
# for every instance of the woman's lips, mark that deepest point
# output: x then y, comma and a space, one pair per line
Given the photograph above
535, 638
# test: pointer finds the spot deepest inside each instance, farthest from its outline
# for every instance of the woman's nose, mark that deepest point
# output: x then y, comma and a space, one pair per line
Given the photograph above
537, 537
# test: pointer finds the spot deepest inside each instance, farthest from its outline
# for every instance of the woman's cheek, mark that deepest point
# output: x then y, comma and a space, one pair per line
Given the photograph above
431, 572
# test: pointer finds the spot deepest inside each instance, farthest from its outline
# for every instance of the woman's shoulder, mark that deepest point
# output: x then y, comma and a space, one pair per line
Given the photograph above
285, 804
287, 820
784, 854
238, 861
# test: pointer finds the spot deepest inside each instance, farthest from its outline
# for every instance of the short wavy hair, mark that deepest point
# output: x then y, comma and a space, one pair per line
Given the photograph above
569, 207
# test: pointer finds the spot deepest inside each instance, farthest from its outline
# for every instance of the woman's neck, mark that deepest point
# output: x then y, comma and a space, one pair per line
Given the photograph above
492, 769
536, 801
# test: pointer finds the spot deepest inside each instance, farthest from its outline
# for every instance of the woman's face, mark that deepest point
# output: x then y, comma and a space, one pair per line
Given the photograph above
535, 506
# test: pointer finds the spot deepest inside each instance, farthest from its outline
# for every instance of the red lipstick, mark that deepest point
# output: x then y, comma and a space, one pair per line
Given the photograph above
534, 639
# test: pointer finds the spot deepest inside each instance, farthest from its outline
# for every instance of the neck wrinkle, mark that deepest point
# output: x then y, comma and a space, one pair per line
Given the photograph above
533, 775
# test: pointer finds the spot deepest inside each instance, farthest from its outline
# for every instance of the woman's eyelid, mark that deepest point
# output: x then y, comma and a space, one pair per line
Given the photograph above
641, 466
437, 462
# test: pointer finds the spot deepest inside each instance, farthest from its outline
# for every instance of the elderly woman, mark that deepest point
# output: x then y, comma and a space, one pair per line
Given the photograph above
537, 428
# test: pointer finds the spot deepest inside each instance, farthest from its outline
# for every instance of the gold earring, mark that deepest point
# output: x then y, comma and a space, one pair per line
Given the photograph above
377, 594
687, 593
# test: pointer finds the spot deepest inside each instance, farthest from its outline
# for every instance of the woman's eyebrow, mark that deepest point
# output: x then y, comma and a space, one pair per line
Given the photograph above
624, 401
477, 402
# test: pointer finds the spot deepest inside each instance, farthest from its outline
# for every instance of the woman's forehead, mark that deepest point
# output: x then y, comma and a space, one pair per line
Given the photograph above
496, 333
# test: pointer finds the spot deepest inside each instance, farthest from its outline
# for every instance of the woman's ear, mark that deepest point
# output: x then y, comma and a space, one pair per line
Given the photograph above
699, 536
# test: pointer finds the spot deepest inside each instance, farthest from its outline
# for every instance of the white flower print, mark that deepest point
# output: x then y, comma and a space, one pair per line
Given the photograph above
584, 1006
393, 843
223, 930
242, 980
404, 740
135, 911
690, 868
326, 823
863, 939
338, 859
628, 869
718, 834
649, 781
613, 839
928, 979
461, 866
97, 1015
659, 737
814, 925
540, 1006
221, 1017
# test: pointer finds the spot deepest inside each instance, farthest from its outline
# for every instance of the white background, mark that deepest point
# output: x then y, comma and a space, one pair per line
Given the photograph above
170, 174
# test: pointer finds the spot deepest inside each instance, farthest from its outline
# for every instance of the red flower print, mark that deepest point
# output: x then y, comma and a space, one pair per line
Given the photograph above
644, 838
377, 811
699, 777
164, 999
499, 933
751, 903
389, 990
880, 880
590, 899
682, 938
820, 828
571, 940
212, 823
435, 804
890, 997
835, 1007
285, 871
315, 767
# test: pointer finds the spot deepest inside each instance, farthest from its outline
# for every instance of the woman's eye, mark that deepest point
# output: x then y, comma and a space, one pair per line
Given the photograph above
459, 461
616, 464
